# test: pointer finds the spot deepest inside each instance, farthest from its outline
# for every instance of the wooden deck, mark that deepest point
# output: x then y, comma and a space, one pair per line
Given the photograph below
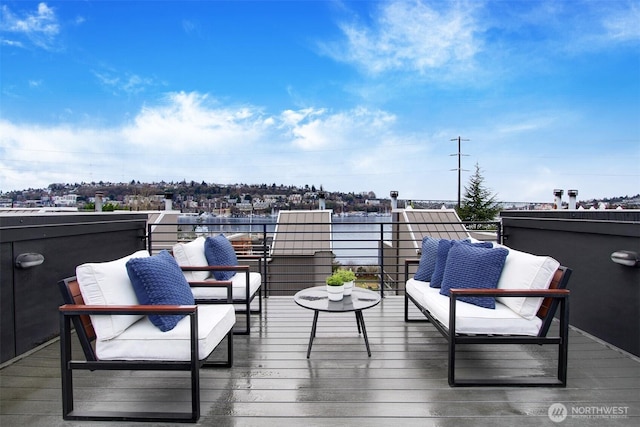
404, 382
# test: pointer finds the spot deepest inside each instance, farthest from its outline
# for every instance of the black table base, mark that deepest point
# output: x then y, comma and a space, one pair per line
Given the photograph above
361, 330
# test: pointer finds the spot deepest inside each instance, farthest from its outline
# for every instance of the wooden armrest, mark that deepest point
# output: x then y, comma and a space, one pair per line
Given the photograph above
554, 293
74, 309
215, 268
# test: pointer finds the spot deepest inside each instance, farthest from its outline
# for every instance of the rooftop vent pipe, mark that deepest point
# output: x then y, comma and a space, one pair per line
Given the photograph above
168, 200
394, 200
558, 194
573, 194
98, 203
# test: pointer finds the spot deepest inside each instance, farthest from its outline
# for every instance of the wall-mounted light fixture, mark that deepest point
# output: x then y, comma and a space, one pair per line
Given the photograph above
628, 258
29, 260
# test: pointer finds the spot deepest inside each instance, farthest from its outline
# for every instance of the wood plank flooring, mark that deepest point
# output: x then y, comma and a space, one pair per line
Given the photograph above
404, 383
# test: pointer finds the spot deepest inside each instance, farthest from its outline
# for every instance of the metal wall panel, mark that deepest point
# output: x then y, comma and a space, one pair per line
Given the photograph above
30, 297
605, 297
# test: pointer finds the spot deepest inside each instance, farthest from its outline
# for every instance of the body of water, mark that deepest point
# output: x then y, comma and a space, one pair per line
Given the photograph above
355, 238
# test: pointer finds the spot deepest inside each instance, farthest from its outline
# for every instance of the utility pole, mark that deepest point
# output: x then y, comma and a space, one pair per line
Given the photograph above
459, 139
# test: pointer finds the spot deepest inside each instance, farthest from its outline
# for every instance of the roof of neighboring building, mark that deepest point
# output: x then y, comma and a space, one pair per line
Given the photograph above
37, 211
302, 232
437, 223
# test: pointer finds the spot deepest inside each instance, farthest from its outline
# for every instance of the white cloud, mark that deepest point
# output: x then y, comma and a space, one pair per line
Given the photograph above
320, 129
192, 28
189, 123
193, 136
40, 27
623, 25
413, 36
13, 43
127, 83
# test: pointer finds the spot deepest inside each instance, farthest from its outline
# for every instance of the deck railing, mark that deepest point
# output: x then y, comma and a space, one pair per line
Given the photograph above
292, 260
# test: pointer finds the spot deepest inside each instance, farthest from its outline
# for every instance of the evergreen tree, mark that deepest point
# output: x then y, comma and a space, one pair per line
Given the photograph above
478, 204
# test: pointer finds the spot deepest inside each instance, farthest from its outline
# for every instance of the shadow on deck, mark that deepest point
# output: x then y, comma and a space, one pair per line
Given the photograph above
272, 382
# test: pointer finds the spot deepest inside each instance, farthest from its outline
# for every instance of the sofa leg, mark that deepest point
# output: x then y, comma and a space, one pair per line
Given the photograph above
66, 371
452, 362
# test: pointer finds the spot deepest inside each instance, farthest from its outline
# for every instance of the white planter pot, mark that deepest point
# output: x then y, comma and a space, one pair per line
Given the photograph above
335, 292
348, 287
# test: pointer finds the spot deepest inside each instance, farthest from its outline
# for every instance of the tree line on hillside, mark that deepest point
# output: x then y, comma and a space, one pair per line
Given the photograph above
183, 189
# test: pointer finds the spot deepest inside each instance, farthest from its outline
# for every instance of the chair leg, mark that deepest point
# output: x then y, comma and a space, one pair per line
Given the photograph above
195, 389
225, 363
247, 330
258, 295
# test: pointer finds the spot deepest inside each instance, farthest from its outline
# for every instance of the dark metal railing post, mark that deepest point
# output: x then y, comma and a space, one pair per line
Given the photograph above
149, 237
381, 260
265, 277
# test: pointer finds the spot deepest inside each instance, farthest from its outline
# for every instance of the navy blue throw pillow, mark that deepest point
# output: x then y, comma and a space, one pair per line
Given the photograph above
427, 259
158, 280
475, 267
444, 246
219, 251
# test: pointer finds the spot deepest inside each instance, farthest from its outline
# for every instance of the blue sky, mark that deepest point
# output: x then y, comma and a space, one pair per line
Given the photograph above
351, 95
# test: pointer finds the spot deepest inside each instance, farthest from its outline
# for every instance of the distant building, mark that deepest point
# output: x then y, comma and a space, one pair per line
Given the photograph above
66, 200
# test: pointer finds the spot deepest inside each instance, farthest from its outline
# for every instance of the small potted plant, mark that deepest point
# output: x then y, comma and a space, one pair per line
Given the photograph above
335, 287
348, 278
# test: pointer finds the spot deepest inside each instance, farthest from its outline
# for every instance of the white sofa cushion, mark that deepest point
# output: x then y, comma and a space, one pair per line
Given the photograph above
238, 284
107, 283
192, 254
143, 341
526, 271
471, 319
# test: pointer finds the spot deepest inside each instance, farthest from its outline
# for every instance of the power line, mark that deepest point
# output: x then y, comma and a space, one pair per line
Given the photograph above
459, 139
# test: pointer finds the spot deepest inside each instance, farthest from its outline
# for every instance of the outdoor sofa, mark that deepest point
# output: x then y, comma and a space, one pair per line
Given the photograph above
485, 293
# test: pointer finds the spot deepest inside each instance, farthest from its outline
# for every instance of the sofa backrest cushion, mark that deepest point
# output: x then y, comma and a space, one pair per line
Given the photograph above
473, 267
158, 280
107, 283
219, 251
192, 254
526, 271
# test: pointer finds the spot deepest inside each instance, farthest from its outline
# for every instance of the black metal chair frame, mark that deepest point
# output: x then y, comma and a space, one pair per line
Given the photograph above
556, 296
248, 298
77, 312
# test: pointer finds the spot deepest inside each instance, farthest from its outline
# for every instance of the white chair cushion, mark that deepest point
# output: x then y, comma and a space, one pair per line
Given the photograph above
239, 287
107, 283
526, 271
192, 254
143, 341
471, 319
